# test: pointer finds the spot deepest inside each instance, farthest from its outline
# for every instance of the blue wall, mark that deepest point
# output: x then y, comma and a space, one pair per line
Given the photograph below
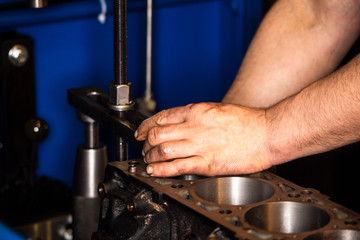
198, 47
8, 234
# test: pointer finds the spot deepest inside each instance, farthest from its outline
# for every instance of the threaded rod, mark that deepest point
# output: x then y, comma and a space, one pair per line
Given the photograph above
120, 46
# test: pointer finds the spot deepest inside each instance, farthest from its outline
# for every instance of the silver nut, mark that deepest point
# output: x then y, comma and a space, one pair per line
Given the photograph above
120, 94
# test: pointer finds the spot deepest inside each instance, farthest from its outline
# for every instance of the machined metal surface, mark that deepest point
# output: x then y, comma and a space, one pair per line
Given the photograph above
234, 190
89, 169
344, 234
287, 217
89, 172
255, 206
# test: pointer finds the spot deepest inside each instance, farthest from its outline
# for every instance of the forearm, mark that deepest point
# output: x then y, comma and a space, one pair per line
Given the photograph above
240, 140
323, 116
297, 43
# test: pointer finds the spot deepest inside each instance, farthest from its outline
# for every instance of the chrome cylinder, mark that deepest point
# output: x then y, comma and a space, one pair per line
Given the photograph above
89, 172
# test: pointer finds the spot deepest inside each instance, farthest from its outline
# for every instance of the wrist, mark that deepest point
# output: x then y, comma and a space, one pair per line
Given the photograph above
279, 140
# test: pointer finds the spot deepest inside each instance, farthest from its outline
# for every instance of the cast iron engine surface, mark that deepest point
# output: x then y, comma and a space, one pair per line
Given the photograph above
256, 206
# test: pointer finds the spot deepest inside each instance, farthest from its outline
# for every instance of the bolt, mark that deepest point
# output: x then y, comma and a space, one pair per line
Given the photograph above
120, 97
105, 188
101, 190
132, 166
130, 206
18, 55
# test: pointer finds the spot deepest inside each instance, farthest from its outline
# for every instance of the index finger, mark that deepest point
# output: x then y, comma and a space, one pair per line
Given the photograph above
170, 116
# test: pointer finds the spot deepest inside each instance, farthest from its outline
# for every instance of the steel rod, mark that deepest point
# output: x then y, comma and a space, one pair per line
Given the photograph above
121, 149
149, 37
91, 135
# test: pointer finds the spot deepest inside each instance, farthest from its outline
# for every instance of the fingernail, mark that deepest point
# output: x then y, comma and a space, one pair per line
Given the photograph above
149, 170
136, 134
143, 153
144, 158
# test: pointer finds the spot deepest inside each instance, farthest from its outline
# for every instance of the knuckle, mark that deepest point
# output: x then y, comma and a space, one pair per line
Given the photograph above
162, 171
190, 105
144, 124
159, 117
164, 150
149, 157
180, 169
146, 147
194, 106
199, 107
152, 136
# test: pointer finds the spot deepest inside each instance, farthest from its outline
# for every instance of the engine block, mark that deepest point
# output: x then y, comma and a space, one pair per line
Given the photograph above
248, 207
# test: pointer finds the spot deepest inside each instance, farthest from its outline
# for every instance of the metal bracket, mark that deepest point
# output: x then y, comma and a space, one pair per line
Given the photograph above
92, 101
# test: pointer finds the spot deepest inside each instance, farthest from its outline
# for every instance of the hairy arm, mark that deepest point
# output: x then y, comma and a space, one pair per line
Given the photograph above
297, 43
323, 116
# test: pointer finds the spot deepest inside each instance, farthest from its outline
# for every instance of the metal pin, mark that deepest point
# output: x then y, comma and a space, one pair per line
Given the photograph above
132, 166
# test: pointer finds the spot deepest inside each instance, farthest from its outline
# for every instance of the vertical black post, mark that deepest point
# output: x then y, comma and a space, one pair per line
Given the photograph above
120, 35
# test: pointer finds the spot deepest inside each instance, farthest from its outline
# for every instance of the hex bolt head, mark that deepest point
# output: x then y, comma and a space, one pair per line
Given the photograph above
120, 94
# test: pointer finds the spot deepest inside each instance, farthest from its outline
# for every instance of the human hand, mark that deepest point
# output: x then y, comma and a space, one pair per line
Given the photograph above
205, 139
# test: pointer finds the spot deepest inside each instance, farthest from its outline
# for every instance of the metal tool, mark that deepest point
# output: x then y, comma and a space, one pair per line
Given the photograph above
114, 111
91, 160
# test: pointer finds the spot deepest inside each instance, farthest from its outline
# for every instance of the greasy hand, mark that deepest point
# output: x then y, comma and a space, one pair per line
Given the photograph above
205, 139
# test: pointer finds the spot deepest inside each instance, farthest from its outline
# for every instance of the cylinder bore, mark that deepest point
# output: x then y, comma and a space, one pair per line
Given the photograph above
345, 234
234, 190
287, 217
